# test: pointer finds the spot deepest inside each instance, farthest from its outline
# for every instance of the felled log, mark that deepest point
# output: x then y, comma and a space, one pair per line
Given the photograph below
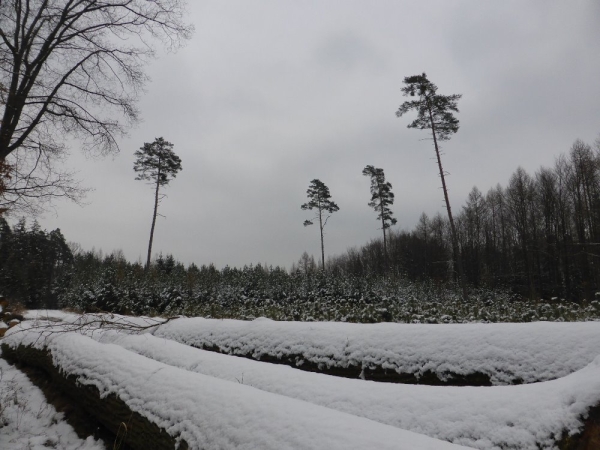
589, 438
451, 355
373, 373
206, 412
136, 432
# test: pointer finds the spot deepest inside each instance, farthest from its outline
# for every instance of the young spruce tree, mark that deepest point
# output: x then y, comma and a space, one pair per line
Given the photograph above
434, 112
382, 198
158, 164
319, 197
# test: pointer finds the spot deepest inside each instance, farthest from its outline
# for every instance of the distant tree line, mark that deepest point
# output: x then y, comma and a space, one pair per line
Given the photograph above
93, 282
34, 264
539, 235
39, 269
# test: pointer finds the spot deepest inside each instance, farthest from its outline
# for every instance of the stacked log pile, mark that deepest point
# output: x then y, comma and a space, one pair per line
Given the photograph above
107, 401
165, 407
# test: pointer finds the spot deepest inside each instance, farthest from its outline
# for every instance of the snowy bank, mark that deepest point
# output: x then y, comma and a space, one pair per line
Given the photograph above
209, 413
507, 353
28, 422
503, 417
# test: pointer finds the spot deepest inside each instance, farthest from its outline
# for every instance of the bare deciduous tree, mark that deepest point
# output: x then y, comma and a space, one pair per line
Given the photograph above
74, 68
33, 180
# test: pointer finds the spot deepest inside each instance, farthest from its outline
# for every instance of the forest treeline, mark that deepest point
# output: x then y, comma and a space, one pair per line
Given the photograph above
535, 239
538, 236
35, 265
50, 274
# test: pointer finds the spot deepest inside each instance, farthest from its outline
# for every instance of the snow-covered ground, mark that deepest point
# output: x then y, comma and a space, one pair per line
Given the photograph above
506, 352
209, 413
28, 422
518, 417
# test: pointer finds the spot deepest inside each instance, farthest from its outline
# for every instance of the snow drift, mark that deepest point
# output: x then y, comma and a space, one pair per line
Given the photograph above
507, 353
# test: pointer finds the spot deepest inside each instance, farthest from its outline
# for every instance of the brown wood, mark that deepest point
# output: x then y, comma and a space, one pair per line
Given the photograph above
113, 413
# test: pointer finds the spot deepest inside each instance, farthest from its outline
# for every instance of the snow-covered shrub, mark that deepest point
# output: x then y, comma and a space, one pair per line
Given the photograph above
256, 291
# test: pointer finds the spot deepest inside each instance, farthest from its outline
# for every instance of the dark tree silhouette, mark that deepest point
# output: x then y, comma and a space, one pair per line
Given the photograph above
158, 164
382, 198
435, 113
4, 177
34, 264
319, 199
74, 68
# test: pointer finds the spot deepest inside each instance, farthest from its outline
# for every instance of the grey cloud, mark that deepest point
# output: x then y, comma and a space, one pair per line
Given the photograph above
269, 95
347, 51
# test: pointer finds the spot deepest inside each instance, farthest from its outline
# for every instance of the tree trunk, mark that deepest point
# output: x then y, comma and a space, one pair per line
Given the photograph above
153, 222
385, 255
455, 247
322, 244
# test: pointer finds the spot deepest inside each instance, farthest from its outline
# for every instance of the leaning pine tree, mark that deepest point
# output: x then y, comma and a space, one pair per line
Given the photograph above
158, 164
434, 112
382, 198
320, 199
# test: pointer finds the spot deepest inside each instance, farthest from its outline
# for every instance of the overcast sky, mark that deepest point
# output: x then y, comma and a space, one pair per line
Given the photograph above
270, 94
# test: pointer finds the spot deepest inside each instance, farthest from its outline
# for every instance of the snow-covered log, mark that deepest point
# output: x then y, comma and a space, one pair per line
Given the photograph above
525, 417
456, 354
29, 422
109, 410
200, 411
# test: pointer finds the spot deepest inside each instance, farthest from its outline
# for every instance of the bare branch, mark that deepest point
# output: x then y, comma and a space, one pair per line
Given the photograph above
76, 67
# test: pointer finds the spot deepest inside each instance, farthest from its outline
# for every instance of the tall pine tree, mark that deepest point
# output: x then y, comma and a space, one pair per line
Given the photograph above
435, 113
382, 198
158, 164
320, 199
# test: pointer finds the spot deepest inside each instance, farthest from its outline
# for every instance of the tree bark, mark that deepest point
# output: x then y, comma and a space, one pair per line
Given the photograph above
385, 255
322, 243
153, 220
109, 411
